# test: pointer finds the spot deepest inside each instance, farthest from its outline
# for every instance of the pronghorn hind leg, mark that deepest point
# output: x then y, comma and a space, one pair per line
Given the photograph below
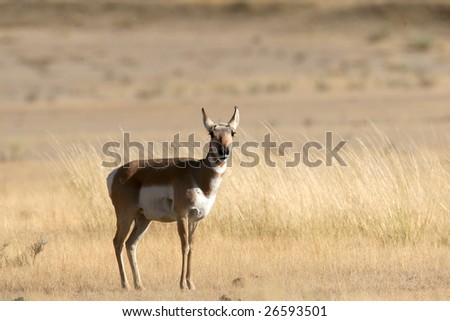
140, 226
192, 228
124, 221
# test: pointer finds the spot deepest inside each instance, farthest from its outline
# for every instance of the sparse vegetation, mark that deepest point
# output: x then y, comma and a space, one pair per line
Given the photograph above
26, 257
15, 151
151, 91
425, 79
379, 34
322, 84
421, 43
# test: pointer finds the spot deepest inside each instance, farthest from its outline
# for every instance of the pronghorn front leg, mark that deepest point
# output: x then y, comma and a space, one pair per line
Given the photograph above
183, 232
192, 227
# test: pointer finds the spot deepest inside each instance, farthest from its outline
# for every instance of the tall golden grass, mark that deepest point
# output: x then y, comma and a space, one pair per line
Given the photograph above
390, 194
376, 229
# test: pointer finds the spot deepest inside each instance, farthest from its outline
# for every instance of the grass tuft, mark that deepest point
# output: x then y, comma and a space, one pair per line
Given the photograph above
24, 258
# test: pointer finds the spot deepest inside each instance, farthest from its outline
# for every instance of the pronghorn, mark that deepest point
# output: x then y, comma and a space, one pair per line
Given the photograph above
168, 190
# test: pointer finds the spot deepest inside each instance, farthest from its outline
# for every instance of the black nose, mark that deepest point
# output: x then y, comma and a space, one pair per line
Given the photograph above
224, 152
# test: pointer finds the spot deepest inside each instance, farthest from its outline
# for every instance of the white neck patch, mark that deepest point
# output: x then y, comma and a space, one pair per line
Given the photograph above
220, 169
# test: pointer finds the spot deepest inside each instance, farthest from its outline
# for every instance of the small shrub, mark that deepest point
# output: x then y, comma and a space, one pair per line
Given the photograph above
25, 258
378, 35
37, 247
420, 44
322, 85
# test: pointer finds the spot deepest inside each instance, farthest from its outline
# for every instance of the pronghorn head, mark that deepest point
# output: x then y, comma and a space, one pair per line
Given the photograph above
221, 136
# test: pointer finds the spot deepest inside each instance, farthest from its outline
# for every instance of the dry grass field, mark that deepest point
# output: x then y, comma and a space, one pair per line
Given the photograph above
74, 75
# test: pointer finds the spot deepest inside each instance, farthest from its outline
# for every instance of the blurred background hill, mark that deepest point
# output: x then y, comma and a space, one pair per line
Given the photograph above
77, 68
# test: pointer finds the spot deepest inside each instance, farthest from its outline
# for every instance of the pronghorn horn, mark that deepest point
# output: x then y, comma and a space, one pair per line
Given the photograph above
234, 121
209, 124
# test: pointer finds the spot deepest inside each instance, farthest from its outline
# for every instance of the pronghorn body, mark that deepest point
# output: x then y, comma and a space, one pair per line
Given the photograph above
168, 190
166, 187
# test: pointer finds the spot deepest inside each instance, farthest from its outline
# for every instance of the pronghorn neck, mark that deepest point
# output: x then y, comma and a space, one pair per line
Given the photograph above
208, 177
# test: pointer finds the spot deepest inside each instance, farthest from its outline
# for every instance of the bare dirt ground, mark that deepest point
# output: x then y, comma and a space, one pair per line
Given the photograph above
85, 71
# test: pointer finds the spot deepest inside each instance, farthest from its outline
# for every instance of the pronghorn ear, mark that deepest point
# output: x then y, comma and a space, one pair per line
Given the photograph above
234, 121
209, 124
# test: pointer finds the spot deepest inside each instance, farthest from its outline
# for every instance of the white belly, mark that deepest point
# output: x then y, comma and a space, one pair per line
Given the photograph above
157, 203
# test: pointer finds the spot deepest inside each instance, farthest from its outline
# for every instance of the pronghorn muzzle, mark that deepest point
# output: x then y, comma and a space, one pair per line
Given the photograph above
224, 152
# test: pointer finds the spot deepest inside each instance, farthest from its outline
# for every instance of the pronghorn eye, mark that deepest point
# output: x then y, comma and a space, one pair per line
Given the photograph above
211, 133
233, 133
